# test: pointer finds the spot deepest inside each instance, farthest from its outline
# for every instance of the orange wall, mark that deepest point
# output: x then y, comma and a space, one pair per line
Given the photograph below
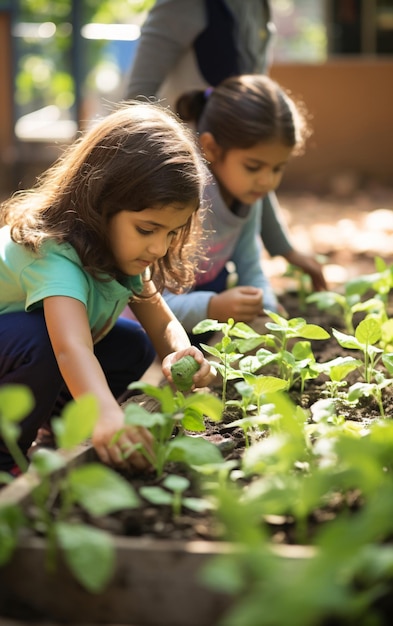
351, 103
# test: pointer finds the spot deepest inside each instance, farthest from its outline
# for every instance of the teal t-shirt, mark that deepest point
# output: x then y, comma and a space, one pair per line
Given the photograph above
27, 278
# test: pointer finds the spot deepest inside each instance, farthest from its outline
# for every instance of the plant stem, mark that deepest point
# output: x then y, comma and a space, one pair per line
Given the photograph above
16, 453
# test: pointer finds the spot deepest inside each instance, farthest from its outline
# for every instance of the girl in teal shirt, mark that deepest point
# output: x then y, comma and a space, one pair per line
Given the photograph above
111, 223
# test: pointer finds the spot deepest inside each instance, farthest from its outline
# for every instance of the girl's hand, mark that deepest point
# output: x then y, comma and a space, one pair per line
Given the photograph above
243, 304
202, 378
115, 442
311, 266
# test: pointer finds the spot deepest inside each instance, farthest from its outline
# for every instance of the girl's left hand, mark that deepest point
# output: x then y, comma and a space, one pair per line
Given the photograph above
311, 266
202, 378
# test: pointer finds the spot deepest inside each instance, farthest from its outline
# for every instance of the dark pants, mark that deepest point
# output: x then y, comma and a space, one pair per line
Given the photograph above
26, 357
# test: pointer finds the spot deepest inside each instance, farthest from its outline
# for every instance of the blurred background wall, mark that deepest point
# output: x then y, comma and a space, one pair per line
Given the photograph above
350, 102
62, 63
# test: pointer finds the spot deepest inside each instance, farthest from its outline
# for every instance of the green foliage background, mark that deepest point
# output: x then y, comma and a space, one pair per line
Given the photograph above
45, 71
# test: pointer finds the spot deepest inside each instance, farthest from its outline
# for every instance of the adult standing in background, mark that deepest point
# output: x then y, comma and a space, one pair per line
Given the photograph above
193, 44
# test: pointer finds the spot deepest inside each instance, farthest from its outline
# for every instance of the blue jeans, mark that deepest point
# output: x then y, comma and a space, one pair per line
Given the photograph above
27, 358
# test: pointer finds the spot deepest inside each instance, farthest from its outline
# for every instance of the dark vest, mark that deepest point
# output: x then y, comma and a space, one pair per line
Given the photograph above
216, 48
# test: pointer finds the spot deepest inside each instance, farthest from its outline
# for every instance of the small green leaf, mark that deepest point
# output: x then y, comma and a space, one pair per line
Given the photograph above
208, 325
326, 299
387, 360
243, 331
193, 420
302, 350
224, 574
368, 331
77, 422
193, 451
12, 520
346, 341
207, 404
156, 495
47, 461
174, 482
358, 390
89, 553
265, 384
136, 415
339, 367
100, 490
199, 505
16, 401
164, 395
312, 331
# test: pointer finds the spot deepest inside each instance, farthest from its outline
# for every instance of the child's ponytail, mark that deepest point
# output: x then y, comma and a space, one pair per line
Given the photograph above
191, 104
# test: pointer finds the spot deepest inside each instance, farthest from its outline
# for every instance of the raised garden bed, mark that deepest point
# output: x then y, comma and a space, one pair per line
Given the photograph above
155, 583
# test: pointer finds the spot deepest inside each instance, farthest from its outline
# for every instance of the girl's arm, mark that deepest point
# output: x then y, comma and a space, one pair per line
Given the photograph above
276, 241
248, 261
71, 339
169, 337
274, 233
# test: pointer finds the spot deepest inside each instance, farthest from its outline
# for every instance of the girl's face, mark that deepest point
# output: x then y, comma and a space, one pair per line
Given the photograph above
139, 238
248, 174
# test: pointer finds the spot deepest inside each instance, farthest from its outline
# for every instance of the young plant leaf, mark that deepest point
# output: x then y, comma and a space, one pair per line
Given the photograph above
100, 490
16, 401
368, 332
77, 422
89, 553
193, 451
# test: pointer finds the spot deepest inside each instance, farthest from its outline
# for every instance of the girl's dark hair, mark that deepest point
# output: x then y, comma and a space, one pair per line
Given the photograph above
140, 156
245, 110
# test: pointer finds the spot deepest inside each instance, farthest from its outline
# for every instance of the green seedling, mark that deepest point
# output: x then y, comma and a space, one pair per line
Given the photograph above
247, 397
349, 303
298, 362
367, 334
183, 371
338, 303
261, 387
293, 475
171, 494
381, 281
16, 401
178, 413
88, 551
227, 351
337, 369
303, 281
374, 389
303, 284
255, 414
